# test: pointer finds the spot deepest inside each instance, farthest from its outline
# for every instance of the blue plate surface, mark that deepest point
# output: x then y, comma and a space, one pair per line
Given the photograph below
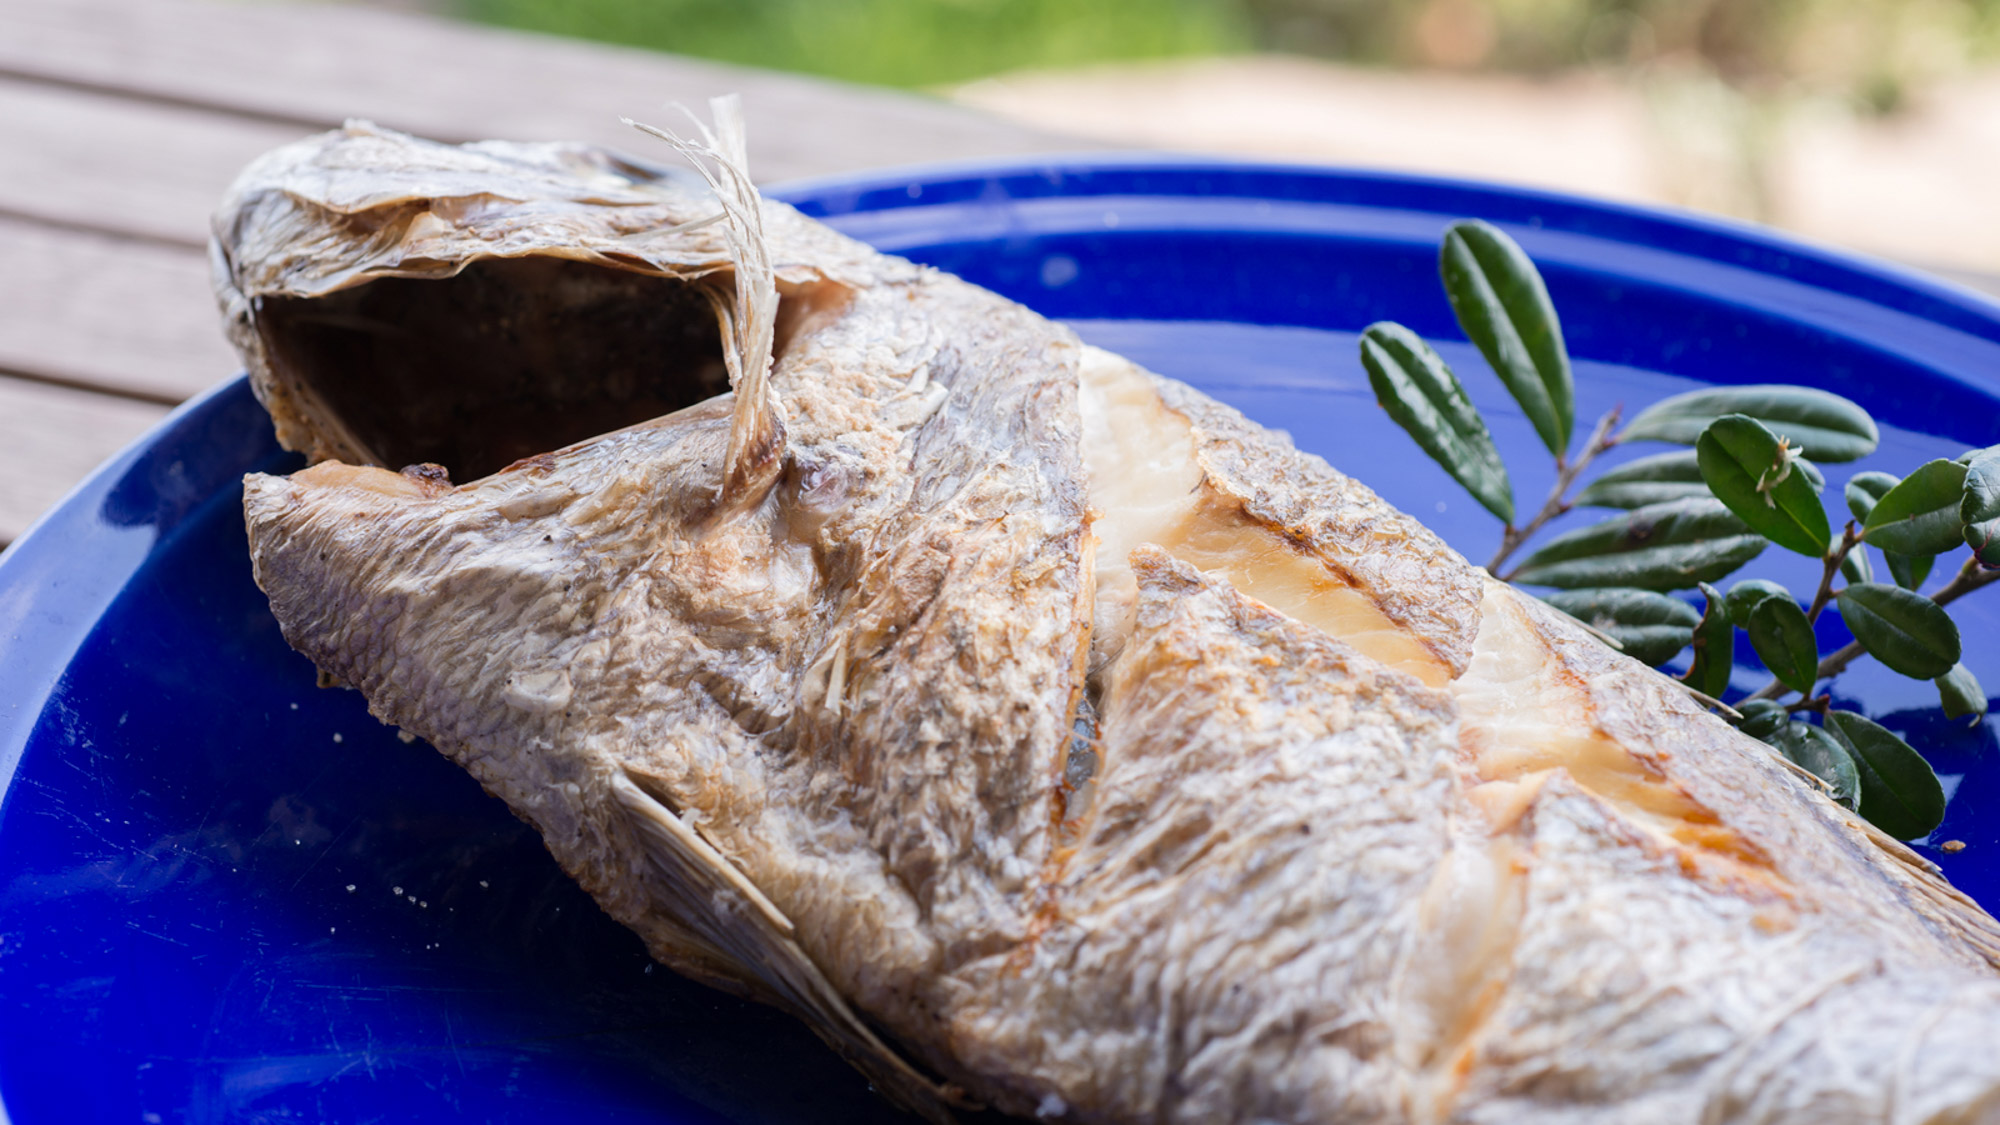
228, 896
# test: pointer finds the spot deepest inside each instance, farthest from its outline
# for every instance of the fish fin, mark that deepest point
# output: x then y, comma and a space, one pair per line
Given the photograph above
749, 320
1937, 900
718, 906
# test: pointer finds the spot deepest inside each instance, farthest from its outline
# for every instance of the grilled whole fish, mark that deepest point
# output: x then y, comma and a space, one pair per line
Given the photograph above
1042, 732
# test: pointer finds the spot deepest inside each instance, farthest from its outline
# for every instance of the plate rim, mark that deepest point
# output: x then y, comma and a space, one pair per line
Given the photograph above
810, 195
72, 599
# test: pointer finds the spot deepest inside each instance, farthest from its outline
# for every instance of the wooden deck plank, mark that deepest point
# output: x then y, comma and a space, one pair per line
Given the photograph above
128, 167
304, 65
124, 122
122, 316
53, 437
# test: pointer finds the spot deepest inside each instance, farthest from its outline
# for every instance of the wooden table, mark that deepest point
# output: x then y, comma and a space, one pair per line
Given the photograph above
122, 121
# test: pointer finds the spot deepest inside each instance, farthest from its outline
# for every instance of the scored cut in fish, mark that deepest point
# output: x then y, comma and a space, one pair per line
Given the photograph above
1042, 732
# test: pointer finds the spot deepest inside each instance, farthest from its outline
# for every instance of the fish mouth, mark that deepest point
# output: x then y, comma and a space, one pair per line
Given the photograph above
506, 359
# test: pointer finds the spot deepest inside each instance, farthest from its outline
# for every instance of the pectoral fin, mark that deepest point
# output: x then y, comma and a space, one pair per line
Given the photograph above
719, 908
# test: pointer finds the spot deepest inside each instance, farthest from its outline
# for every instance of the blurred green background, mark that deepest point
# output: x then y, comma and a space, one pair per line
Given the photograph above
1871, 51
893, 42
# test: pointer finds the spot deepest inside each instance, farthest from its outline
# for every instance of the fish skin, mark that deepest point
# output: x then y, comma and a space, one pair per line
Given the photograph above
1810, 845
1419, 582
811, 746
1246, 757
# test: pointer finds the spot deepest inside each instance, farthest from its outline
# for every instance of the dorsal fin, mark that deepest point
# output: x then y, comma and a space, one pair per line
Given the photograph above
749, 322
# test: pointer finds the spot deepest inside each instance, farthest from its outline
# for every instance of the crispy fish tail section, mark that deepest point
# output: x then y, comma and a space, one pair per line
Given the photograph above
749, 322
1728, 802
722, 910
1933, 896
1853, 1042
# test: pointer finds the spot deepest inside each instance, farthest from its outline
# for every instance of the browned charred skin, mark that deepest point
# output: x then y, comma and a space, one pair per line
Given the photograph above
433, 478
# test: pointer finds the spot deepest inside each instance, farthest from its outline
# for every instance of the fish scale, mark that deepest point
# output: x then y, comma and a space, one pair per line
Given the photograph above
1043, 733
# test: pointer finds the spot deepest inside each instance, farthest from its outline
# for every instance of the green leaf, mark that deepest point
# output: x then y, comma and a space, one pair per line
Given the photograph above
1920, 515
1752, 471
1714, 647
1672, 546
1854, 565
1908, 632
1651, 626
1660, 478
1413, 384
1762, 718
1504, 308
1823, 425
1825, 757
1747, 595
1899, 791
1959, 693
1909, 571
1979, 508
1783, 639
1648, 480
1865, 489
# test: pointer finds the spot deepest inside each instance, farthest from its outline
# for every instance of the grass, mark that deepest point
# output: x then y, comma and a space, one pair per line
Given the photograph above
913, 43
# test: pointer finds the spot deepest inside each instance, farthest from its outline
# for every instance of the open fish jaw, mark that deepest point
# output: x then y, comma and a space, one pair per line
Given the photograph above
308, 225
1368, 836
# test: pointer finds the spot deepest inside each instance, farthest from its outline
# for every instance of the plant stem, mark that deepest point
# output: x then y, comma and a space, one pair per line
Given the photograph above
1829, 566
1558, 501
1832, 567
1971, 576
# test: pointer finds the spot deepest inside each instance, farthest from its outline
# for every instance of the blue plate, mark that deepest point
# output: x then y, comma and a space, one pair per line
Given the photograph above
227, 896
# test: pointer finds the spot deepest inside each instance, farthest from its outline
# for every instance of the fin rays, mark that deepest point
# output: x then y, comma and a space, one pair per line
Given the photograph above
749, 320
752, 933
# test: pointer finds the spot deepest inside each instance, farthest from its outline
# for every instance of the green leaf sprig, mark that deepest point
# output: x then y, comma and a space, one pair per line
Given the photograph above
1413, 384
1748, 476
